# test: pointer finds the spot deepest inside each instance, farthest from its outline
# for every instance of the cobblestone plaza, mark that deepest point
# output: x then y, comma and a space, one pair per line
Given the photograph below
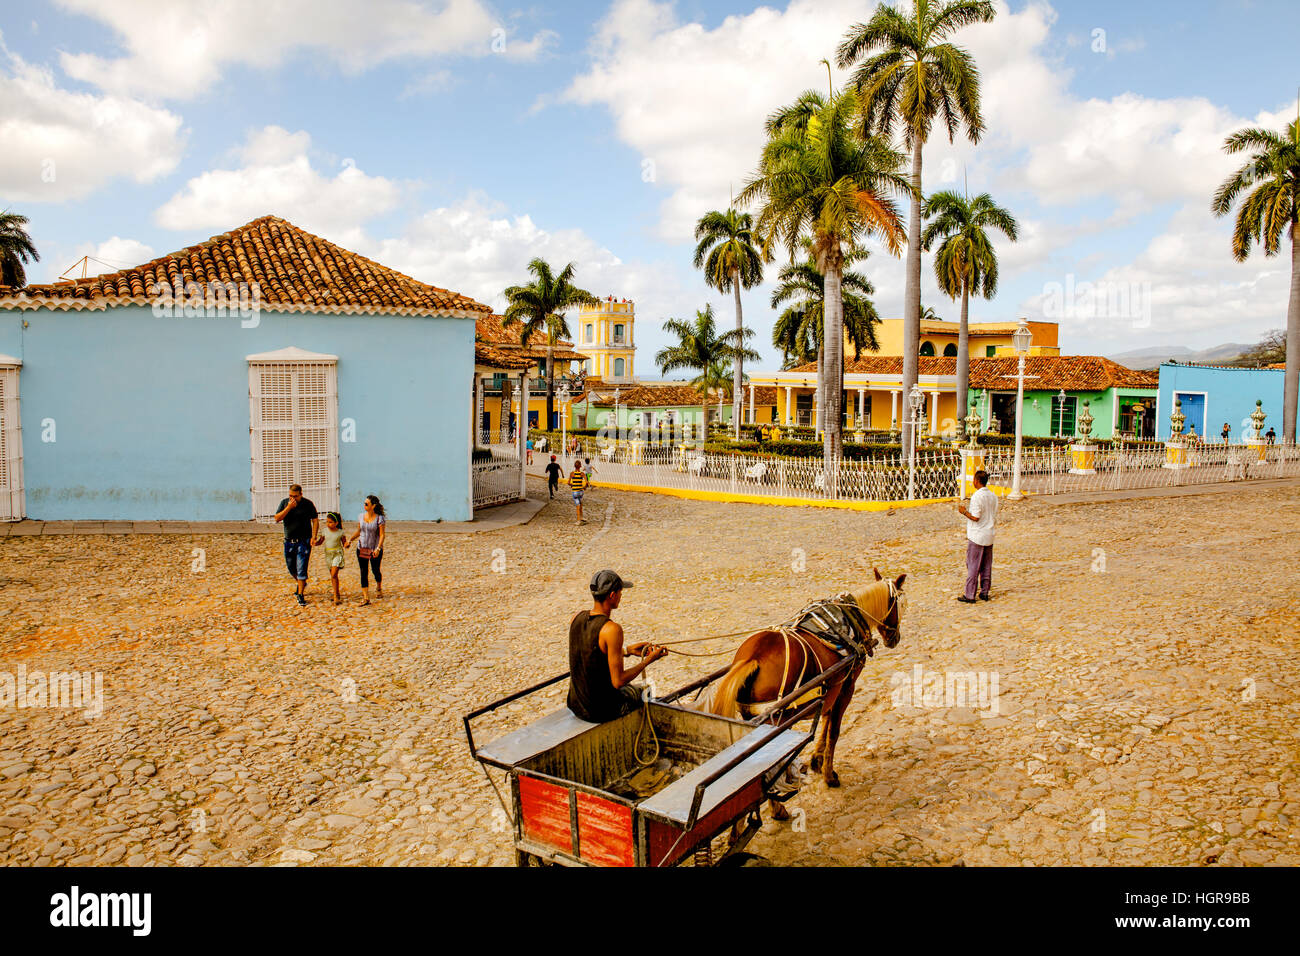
1131, 682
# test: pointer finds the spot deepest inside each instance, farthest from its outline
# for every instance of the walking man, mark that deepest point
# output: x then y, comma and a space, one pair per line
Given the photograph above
301, 531
980, 518
578, 485
553, 472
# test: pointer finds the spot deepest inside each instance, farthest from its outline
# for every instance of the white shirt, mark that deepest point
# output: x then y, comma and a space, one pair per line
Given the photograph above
984, 506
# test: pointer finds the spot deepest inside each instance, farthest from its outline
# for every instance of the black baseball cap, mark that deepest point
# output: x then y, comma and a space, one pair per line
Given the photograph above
604, 583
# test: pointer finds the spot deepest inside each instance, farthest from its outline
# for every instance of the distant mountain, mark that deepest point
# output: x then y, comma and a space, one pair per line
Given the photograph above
1152, 356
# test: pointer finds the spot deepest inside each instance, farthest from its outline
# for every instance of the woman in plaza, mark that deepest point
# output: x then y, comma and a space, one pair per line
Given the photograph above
370, 536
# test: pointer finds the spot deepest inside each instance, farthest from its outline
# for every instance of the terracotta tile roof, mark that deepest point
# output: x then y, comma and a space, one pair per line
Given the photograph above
1078, 373
295, 272
1070, 372
763, 395
649, 396
491, 329
493, 357
889, 365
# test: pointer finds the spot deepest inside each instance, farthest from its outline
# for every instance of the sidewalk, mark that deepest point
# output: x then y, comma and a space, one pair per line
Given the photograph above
487, 519
1164, 491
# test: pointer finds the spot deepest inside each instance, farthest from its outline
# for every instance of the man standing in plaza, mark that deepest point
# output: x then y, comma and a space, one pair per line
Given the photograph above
980, 518
301, 531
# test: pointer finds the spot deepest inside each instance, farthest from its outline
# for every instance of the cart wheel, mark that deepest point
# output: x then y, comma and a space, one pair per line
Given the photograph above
524, 859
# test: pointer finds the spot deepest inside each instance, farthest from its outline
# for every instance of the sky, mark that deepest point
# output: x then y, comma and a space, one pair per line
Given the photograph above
456, 140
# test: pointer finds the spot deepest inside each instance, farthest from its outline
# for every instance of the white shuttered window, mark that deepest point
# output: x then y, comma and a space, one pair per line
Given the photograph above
293, 409
13, 504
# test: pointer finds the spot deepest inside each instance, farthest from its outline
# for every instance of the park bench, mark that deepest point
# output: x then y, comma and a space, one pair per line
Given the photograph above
756, 472
695, 464
607, 453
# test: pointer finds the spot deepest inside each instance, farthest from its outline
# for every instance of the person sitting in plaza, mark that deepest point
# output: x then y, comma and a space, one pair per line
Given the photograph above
599, 682
301, 531
980, 519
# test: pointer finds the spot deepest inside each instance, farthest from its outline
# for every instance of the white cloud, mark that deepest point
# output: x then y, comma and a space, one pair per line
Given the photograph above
179, 48
278, 178
436, 82
62, 145
113, 254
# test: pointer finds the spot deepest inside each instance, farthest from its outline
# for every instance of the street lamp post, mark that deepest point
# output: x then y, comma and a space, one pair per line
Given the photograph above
1020, 341
564, 416
1060, 427
915, 399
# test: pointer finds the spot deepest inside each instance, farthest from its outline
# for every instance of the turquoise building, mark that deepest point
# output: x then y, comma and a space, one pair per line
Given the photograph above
1214, 394
200, 385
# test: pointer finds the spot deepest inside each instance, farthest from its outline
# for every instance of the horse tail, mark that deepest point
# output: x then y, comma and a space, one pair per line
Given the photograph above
728, 690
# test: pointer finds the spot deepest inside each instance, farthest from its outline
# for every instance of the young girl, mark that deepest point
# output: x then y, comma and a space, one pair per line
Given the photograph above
370, 529
335, 541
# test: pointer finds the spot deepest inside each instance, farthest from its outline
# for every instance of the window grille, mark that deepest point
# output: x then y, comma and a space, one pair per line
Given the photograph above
13, 505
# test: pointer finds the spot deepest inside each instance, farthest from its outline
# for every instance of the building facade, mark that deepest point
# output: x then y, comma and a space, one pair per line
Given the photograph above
200, 385
1212, 395
605, 335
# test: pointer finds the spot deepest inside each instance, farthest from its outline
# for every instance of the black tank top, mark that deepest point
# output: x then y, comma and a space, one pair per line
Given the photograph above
592, 695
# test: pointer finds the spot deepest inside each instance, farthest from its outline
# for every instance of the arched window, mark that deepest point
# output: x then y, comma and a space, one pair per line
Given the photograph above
618, 332
590, 334
950, 351
618, 367
927, 349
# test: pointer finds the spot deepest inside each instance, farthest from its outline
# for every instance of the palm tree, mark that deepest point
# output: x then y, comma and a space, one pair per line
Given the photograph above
15, 249
912, 77
730, 261
798, 330
700, 348
819, 179
540, 307
966, 261
1273, 179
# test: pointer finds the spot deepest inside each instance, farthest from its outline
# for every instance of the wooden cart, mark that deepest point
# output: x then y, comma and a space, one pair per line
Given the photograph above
574, 797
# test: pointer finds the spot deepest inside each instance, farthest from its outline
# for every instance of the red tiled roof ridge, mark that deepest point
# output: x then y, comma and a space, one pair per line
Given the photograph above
304, 269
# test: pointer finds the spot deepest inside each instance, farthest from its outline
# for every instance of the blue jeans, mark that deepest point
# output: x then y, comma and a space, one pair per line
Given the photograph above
296, 556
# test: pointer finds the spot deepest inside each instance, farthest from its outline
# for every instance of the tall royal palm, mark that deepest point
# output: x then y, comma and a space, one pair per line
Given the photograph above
540, 306
731, 262
1271, 181
699, 348
908, 76
15, 249
819, 179
966, 261
799, 328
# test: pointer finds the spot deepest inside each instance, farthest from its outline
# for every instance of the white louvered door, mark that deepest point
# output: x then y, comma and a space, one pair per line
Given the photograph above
13, 503
293, 410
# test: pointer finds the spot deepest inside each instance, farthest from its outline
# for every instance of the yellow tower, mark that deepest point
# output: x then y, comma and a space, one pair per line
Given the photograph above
604, 332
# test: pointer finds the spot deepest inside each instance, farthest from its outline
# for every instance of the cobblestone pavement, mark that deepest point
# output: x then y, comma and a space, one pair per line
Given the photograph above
1145, 653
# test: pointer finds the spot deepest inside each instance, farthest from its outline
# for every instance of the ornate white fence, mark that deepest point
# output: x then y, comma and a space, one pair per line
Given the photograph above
1046, 471
497, 481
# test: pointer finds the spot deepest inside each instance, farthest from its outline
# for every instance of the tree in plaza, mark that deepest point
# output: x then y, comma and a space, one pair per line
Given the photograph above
799, 328
819, 179
727, 253
540, 306
15, 249
966, 261
908, 75
1270, 350
700, 348
1271, 184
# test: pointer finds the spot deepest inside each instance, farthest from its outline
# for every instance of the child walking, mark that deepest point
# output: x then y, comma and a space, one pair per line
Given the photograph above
335, 541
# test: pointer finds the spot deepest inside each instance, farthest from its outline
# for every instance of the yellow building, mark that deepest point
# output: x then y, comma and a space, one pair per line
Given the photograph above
873, 385
605, 336
987, 339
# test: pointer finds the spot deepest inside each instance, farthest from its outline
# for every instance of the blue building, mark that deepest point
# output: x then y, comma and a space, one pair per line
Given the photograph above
1214, 394
200, 385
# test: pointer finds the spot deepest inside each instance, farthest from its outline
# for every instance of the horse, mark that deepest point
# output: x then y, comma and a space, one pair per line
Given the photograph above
772, 663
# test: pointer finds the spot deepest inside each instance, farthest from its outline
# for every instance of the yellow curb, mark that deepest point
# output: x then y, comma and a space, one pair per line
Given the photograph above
771, 499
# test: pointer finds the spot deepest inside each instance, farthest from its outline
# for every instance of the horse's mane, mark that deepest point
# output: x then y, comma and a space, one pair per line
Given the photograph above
874, 599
